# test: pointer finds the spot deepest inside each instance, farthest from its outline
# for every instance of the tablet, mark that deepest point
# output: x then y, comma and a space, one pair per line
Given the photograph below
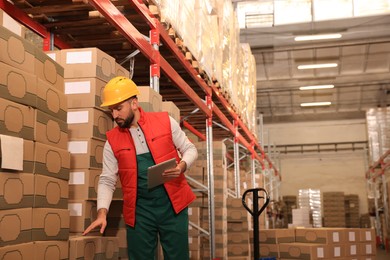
155, 172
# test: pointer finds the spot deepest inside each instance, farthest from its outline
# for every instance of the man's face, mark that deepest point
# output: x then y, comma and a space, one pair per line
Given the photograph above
123, 113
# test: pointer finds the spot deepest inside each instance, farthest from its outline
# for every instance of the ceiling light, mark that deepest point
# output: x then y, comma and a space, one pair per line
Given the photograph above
317, 66
315, 104
316, 87
315, 37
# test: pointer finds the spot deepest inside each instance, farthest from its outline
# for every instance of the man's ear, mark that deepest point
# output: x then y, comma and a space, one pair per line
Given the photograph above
134, 103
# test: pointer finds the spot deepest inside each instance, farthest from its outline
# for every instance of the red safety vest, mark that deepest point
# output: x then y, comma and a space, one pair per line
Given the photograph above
158, 135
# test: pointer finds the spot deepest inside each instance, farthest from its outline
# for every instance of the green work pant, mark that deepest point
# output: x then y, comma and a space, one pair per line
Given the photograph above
155, 218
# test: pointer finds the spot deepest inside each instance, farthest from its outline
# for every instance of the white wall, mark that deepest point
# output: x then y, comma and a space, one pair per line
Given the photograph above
326, 171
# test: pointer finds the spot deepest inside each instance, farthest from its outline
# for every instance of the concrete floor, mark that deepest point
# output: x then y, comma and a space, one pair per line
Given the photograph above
381, 254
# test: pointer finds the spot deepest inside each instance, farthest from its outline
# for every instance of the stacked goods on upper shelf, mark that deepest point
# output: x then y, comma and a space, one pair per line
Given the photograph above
210, 31
34, 160
378, 129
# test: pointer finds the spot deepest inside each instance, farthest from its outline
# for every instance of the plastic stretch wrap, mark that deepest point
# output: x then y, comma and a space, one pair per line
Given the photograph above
208, 39
378, 131
311, 199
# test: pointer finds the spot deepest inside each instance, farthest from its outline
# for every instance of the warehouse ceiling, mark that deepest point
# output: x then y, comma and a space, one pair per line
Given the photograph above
361, 80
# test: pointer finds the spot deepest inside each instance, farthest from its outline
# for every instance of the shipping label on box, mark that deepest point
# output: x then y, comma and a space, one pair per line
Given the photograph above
18, 86
16, 51
15, 226
16, 119
50, 192
87, 63
51, 100
51, 161
50, 224
149, 99
9, 23
83, 184
16, 190
86, 153
50, 130
49, 70
88, 123
82, 214
51, 250
84, 92
28, 156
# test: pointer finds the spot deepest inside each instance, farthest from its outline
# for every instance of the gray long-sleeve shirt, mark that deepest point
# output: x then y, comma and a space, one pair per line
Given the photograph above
109, 175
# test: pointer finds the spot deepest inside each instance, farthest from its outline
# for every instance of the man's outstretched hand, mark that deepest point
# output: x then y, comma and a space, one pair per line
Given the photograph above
101, 221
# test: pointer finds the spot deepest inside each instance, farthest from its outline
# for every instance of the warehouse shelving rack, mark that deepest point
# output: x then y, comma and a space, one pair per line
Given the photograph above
378, 175
219, 108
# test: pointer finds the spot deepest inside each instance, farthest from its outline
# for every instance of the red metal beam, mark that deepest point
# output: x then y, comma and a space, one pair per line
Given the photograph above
194, 131
27, 21
123, 25
149, 18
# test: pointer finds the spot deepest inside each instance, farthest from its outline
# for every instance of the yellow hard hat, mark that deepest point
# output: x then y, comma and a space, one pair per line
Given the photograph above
117, 90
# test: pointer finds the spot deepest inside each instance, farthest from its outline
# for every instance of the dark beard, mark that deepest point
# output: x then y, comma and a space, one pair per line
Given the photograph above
126, 123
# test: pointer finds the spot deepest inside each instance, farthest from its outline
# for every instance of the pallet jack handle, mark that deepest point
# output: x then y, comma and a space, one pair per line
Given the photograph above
255, 214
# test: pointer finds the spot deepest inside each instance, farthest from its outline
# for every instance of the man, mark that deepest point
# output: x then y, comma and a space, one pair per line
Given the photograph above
140, 140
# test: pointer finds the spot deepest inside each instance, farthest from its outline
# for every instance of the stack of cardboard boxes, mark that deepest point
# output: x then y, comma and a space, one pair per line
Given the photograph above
318, 243
334, 209
35, 163
352, 215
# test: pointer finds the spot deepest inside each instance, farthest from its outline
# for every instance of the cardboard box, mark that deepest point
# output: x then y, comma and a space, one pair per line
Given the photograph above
367, 248
18, 86
172, 110
51, 161
84, 92
121, 71
86, 153
83, 184
84, 247
50, 224
276, 236
16, 51
269, 250
16, 119
8, 22
49, 70
88, 123
320, 235
28, 157
149, 99
50, 192
50, 130
15, 226
51, 101
304, 251
16, 190
352, 249
82, 214
121, 234
87, 63
238, 250
19, 252
352, 235
367, 235
115, 218
110, 248
51, 250
238, 237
